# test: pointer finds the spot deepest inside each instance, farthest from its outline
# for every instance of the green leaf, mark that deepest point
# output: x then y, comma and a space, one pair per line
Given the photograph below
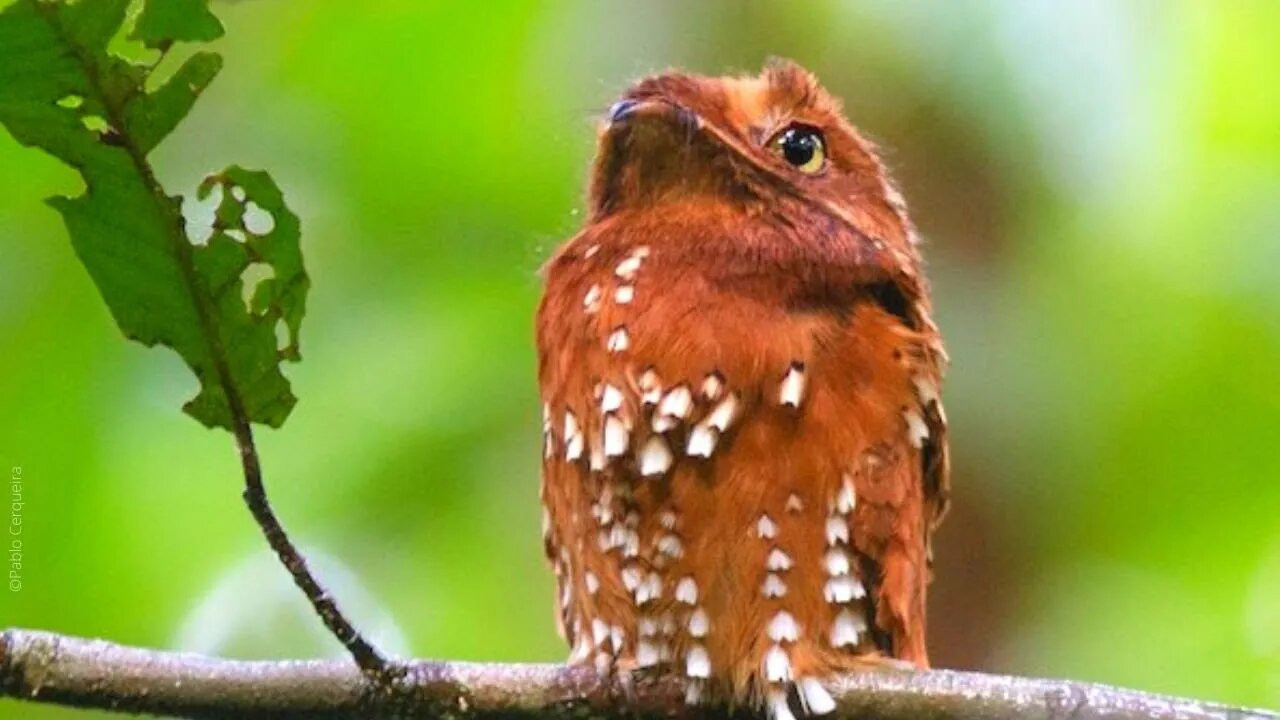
152, 116
61, 91
164, 21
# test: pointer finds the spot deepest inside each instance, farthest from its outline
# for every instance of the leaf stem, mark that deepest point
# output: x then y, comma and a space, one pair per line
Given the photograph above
365, 654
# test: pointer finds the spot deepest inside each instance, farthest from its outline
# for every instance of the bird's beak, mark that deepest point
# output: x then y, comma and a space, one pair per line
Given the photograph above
630, 111
620, 110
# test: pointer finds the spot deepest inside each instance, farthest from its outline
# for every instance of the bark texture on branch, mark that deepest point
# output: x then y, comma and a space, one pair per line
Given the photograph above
46, 667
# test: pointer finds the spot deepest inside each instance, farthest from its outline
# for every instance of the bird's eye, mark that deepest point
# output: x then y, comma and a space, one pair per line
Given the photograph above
802, 147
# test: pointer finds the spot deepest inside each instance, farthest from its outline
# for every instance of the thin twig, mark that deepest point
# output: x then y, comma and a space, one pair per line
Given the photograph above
255, 496
49, 668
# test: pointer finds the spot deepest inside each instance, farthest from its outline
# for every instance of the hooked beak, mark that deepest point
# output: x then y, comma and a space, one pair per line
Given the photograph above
629, 111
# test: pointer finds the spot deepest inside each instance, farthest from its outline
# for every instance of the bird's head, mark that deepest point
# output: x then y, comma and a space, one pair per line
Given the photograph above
755, 143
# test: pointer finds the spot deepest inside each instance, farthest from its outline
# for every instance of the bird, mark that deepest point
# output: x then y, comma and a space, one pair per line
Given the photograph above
744, 446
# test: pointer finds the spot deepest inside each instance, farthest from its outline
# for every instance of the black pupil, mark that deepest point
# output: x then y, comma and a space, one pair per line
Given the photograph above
799, 145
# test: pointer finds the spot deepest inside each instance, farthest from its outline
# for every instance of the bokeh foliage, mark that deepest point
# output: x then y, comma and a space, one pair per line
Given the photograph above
1098, 183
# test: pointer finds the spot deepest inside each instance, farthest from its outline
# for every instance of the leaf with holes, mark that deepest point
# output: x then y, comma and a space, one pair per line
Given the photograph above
63, 92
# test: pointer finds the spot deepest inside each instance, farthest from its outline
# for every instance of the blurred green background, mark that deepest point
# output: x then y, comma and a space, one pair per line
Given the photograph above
1099, 184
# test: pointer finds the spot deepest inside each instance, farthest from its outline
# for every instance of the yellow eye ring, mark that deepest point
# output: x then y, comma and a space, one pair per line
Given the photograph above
802, 147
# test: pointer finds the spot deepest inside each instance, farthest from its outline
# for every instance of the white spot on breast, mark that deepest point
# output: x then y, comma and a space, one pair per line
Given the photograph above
773, 586
602, 513
610, 398
667, 519
548, 442
766, 528
793, 386
837, 562
814, 696
628, 267
650, 387
616, 436
581, 649
617, 535
778, 708
664, 651
597, 454
668, 623
872, 460
693, 692
631, 548
616, 636
917, 431
591, 251
846, 497
655, 457
794, 504
647, 654
631, 577
778, 560
702, 441
599, 631
712, 386
624, 294
591, 301
783, 628
618, 341
687, 591
723, 415
573, 439
777, 666
592, 582
926, 389
697, 664
671, 546
675, 406
649, 589
837, 530
647, 626
843, 589
699, 623
847, 627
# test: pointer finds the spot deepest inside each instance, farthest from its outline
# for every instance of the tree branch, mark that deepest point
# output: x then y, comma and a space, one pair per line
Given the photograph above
49, 668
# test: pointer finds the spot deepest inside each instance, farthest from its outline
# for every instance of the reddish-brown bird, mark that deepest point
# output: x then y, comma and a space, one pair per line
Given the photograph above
745, 452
